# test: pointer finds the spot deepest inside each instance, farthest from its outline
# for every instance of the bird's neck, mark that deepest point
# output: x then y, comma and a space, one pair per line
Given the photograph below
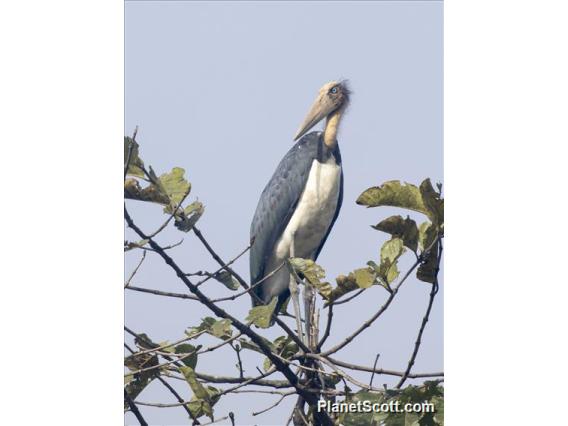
331, 128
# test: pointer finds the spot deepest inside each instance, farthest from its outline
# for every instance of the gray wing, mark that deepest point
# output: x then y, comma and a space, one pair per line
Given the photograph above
278, 201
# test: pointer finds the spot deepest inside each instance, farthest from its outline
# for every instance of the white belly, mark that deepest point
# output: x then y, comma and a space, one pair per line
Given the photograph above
308, 224
314, 212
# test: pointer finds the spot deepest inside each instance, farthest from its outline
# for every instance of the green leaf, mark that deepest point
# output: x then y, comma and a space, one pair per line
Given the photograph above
365, 277
218, 328
186, 348
203, 397
199, 407
225, 278
222, 329
283, 346
313, 273
405, 229
192, 213
438, 416
261, 316
198, 389
390, 252
266, 364
395, 194
361, 418
136, 164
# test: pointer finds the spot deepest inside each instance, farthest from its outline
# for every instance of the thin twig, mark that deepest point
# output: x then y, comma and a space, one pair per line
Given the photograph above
192, 297
172, 215
215, 256
162, 293
327, 328
135, 269
273, 405
237, 349
171, 246
230, 262
382, 371
374, 369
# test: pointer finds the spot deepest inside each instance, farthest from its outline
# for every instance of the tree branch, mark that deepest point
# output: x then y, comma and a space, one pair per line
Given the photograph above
433, 293
381, 370
220, 261
134, 409
322, 417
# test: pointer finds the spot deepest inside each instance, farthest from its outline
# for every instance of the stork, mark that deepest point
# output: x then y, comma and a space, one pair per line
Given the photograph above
301, 202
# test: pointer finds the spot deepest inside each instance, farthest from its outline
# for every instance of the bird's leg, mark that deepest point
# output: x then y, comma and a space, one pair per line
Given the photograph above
309, 309
294, 295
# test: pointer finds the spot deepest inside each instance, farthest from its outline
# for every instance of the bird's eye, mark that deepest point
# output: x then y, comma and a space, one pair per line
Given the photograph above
333, 90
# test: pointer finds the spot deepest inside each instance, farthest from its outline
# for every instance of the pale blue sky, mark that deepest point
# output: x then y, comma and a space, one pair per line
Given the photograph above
219, 89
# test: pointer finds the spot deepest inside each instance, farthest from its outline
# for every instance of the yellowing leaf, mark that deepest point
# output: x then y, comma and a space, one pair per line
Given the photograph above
313, 273
364, 277
175, 185
261, 316
390, 252
218, 328
395, 194
202, 401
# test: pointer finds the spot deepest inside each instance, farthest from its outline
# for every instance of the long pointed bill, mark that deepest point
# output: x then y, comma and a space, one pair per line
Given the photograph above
320, 109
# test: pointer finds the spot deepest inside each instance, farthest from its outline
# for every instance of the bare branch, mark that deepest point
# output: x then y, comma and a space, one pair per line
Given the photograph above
135, 270
433, 293
192, 297
374, 369
327, 328
273, 405
162, 293
134, 409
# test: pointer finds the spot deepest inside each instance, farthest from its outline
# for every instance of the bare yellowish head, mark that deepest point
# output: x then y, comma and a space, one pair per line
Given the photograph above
331, 97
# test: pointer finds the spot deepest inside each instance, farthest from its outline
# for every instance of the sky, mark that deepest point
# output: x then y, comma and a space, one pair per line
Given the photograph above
219, 88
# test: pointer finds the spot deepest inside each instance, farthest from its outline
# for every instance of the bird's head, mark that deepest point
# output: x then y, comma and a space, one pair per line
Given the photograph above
333, 96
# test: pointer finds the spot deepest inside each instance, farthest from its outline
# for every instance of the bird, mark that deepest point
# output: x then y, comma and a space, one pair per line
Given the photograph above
301, 202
